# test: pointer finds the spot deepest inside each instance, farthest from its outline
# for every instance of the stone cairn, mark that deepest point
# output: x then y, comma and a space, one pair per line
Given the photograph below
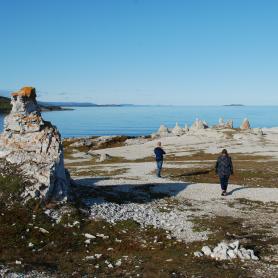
35, 146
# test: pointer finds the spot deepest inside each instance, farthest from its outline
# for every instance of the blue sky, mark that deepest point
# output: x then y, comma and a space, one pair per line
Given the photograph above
144, 52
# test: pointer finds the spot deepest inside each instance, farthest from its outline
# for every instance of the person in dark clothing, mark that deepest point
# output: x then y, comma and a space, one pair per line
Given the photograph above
224, 168
159, 153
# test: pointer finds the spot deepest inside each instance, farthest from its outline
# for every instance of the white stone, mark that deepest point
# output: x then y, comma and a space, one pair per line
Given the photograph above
118, 262
89, 258
206, 250
198, 254
87, 241
30, 244
89, 236
98, 256
44, 231
232, 254
234, 245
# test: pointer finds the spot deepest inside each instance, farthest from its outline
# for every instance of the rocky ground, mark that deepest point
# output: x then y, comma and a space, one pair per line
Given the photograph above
128, 223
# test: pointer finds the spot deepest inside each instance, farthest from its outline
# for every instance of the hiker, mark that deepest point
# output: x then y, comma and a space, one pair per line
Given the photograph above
159, 152
224, 168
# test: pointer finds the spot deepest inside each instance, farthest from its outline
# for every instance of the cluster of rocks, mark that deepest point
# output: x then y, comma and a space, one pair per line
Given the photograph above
222, 124
164, 131
174, 221
225, 251
35, 147
90, 141
93, 142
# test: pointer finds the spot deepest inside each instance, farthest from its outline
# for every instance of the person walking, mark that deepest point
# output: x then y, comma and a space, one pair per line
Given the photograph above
224, 168
159, 153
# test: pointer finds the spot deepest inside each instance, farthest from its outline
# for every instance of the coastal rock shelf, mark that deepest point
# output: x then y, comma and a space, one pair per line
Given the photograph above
164, 131
34, 145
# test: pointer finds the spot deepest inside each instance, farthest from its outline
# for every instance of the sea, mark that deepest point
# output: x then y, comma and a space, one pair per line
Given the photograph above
144, 120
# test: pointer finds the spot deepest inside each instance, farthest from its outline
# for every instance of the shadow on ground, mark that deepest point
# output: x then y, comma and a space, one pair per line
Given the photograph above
86, 191
235, 190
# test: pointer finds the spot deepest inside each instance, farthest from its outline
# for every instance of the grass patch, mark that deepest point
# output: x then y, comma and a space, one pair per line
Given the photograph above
98, 172
249, 170
251, 236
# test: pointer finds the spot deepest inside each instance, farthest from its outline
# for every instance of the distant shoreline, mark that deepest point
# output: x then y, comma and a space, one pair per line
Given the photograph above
234, 105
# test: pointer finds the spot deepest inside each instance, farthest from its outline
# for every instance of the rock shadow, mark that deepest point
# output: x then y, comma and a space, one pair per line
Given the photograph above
87, 192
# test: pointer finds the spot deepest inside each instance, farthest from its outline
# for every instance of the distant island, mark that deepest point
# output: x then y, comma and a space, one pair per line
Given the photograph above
82, 104
234, 105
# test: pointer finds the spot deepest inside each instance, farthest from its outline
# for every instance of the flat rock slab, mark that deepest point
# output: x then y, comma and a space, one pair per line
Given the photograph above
198, 191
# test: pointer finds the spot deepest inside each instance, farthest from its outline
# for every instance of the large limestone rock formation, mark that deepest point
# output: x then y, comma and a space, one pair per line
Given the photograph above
34, 145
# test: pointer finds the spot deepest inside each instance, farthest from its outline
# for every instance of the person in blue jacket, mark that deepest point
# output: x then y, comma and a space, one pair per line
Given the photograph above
159, 153
224, 168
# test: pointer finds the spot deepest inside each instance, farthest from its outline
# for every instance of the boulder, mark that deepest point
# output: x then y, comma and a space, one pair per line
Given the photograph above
245, 124
35, 147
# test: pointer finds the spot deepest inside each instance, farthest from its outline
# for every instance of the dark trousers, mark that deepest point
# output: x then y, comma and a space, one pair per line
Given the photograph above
224, 182
159, 164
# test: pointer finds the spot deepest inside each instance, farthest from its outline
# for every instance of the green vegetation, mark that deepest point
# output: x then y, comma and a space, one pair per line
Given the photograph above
250, 170
5, 106
29, 235
256, 237
63, 251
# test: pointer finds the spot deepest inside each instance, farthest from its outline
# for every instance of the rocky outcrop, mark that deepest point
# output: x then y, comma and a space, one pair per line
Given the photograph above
223, 125
199, 124
34, 145
245, 124
163, 131
177, 130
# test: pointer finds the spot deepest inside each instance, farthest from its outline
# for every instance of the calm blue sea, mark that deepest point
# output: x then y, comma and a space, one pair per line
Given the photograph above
144, 120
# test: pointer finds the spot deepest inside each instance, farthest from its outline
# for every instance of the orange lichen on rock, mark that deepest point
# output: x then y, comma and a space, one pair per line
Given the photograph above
25, 92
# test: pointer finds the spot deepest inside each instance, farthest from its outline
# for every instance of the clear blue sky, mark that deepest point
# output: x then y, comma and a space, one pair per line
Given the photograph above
144, 52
